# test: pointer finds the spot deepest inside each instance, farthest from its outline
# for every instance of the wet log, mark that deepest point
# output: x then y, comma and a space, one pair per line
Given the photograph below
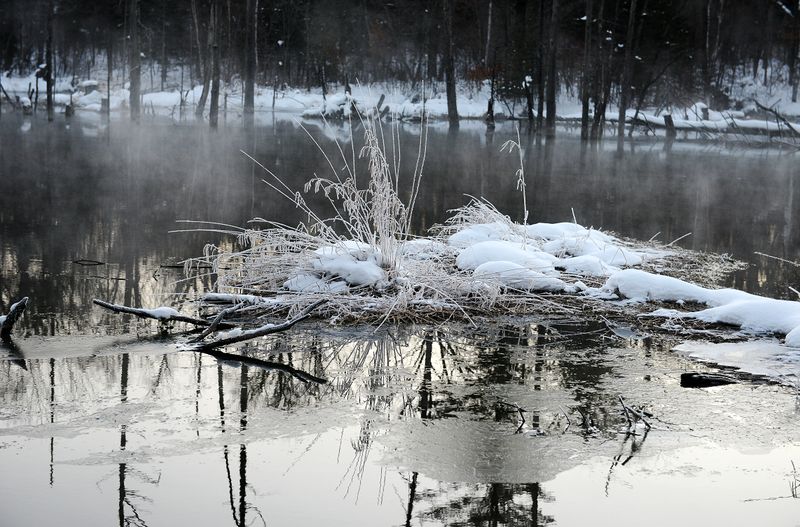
705, 380
7, 322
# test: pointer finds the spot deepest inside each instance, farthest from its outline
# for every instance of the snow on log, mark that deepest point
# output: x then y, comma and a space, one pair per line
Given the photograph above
162, 314
7, 321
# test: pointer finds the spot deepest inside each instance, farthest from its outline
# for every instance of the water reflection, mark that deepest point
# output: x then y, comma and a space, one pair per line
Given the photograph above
413, 425
451, 425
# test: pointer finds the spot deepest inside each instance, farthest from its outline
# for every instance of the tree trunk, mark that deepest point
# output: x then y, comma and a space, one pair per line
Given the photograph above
250, 57
204, 63
552, 74
540, 68
213, 117
110, 65
587, 43
50, 62
449, 67
488, 35
627, 70
135, 59
163, 46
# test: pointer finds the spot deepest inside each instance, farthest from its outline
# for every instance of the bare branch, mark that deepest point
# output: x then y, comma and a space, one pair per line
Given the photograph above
263, 330
166, 316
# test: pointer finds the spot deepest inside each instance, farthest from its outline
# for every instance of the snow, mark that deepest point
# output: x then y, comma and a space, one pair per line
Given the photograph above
162, 313
516, 276
480, 232
2, 319
491, 251
306, 283
348, 268
587, 265
751, 313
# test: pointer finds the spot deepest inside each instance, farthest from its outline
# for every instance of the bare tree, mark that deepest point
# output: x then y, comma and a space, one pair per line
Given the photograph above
449, 66
135, 59
250, 56
50, 62
627, 71
213, 116
585, 76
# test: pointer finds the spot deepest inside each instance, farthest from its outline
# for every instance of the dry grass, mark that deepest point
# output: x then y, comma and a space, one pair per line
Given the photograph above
370, 217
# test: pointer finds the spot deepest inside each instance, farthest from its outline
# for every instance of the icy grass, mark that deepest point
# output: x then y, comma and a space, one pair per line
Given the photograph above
365, 262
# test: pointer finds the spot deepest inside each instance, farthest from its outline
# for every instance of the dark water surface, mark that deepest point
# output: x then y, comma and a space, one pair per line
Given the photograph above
515, 423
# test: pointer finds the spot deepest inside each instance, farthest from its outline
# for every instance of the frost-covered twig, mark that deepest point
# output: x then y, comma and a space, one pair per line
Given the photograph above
7, 321
162, 314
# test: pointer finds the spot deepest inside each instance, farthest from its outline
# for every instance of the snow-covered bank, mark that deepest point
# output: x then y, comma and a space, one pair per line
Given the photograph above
404, 102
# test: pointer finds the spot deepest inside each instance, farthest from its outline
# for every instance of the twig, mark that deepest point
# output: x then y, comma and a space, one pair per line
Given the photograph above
625, 409
779, 117
636, 413
216, 322
784, 260
7, 322
263, 330
144, 313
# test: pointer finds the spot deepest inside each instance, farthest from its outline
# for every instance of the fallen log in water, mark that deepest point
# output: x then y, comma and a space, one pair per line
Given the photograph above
7, 322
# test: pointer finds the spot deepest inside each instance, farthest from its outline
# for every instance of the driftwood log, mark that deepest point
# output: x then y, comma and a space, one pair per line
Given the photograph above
8, 321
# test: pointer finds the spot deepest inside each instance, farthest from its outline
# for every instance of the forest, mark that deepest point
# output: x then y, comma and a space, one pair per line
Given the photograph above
626, 52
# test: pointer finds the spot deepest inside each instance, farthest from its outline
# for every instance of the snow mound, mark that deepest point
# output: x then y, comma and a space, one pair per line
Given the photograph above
510, 274
493, 251
751, 313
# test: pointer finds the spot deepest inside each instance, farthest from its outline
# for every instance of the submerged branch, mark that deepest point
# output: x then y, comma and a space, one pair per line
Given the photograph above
263, 330
162, 314
259, 363
7, 322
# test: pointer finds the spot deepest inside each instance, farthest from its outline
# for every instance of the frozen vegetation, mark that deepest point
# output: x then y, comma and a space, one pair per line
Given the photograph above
479, 263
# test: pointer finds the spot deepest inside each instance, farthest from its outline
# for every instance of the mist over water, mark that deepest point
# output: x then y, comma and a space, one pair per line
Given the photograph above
515, 422
87, 189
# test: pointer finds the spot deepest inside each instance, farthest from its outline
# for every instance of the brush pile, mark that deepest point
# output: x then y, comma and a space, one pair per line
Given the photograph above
369, 268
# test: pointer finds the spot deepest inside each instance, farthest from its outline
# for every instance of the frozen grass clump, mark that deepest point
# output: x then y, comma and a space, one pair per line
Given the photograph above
364, 261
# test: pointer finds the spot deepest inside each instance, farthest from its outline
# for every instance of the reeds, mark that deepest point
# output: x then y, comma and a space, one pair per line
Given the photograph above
286, 268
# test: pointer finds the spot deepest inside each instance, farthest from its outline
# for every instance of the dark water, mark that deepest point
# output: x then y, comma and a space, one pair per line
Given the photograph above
515, 423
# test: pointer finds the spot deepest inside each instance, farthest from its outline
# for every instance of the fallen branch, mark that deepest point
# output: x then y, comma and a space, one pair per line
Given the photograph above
263, 330
7, 322
162, 314
217, 321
